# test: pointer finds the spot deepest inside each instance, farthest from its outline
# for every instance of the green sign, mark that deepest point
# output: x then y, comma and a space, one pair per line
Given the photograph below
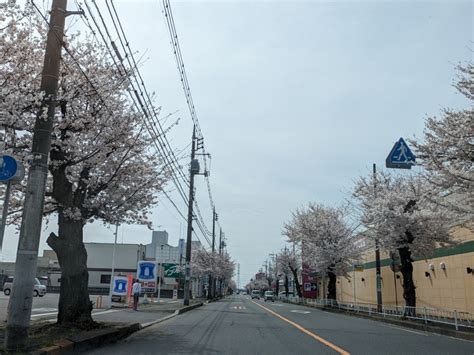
171, 270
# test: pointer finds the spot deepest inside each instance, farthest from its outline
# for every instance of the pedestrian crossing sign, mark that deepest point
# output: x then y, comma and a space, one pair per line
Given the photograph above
400, 157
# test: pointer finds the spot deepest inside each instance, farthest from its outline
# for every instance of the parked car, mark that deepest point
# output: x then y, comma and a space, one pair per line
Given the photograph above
268, 296
255, 294
39, 290
282, 294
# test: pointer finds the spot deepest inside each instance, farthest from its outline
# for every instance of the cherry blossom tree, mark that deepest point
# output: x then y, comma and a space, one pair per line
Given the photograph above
260, 284
288, 263
399, 213
325, 241
218, 266
446, 151
101, 166
232, 286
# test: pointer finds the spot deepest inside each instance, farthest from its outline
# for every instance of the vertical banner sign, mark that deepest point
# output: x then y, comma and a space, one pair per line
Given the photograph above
310, 285
129, 285
120, 286
147, 275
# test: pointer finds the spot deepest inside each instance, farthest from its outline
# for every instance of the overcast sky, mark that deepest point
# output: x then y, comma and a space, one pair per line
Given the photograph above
295, 100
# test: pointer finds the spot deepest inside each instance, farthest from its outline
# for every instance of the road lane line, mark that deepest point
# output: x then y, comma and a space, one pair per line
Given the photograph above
405, 330
300, 312
306, 331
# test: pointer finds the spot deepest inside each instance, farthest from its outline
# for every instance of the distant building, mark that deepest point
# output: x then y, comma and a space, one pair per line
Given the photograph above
171, 256
99, 264
160, 250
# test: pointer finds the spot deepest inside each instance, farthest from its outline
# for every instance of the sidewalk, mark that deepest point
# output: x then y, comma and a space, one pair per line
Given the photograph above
145, 314
115, 323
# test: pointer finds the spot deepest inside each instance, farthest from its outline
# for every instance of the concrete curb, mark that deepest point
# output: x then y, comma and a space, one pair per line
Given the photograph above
466, 335
149, 324
87, 340
188, 308
174, 314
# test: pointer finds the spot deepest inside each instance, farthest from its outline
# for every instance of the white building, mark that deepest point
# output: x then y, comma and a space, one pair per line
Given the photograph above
161, 251
99, 261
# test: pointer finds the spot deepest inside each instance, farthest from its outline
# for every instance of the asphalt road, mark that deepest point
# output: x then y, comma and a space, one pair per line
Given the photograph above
237, 325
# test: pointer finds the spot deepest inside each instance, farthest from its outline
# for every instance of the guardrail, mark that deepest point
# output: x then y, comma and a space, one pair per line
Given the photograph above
424, 314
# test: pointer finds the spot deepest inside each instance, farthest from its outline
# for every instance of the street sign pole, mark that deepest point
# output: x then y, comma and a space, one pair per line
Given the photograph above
400, 157
113, 267
6, 201
378, 279
159, 282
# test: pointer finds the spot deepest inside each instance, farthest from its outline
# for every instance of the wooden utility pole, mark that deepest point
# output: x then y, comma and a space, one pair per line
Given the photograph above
19, 310
194, 169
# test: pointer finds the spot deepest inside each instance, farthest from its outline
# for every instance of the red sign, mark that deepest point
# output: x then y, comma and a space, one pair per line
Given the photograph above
310, 282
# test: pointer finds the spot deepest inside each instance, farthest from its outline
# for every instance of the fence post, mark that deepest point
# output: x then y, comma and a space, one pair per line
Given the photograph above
383, 310
424, 315
456, 320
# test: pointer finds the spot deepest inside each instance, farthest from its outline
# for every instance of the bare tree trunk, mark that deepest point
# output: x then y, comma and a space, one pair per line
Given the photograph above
409, 293
331, 285
297, 282
74, 304
286, 285
277, 286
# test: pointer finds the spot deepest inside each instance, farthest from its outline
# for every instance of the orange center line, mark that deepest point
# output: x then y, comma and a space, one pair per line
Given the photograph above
306, 331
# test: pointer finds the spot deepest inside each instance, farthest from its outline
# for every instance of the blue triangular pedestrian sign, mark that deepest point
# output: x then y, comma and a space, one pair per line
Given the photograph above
400, 157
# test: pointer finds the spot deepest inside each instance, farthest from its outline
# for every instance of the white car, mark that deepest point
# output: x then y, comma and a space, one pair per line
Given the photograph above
39, 290
255, 294
269, 296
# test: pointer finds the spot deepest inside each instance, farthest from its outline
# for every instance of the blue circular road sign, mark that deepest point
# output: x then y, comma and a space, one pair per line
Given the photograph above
8, 167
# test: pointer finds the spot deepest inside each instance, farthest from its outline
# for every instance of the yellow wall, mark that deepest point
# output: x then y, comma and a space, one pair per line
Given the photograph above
452, 288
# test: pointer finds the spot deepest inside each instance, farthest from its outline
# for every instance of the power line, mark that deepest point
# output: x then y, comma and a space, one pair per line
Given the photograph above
185, 83
165, 153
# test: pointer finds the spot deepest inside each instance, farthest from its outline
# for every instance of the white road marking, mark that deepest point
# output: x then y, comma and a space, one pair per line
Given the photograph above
239, 307
301, 312
93, 313
44, 310
105, 312
405, 330
44, 314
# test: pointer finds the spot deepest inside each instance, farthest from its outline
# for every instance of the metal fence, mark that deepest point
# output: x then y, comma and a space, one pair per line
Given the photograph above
423, 314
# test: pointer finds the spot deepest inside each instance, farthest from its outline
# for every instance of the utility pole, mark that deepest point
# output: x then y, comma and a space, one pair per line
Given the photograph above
377, 253
220, 252
211, 280
194, 169
220, 241
238, 276
19, 310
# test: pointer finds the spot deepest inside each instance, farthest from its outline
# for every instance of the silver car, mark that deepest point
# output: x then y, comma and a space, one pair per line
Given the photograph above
39, 290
